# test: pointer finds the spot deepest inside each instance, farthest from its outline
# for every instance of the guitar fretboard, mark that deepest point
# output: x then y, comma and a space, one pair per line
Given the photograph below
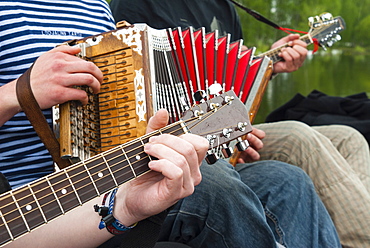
38, 203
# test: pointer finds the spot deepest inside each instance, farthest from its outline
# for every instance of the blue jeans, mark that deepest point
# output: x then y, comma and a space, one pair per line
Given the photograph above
251, 205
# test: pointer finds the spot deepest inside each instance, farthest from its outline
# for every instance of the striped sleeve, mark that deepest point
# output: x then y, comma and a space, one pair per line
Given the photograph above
29, 28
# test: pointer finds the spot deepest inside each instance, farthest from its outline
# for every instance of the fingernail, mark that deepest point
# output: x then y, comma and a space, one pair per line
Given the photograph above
153, 139
147, 146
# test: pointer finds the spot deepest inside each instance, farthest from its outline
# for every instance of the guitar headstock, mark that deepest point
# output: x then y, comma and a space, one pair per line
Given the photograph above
220, 120
326, 28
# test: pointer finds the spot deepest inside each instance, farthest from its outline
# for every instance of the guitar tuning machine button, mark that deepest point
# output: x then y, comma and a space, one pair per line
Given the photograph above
242, 145
214, 106
198, 113
227, 151
242, 125
229, 99
211, 139
211, 157
226, 132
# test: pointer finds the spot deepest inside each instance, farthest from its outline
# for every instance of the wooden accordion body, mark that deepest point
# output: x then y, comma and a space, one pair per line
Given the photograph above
147, 69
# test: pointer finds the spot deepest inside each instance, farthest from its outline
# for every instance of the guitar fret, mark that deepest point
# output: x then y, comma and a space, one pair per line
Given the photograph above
138, 157
5, 230
28, 207
122, 169
20, 211
100, 174
48, 203
15, 224
55, 195
74, 189
38, 204
63, 190
92, 181
132, 169
110, 171
143, 144
81, 180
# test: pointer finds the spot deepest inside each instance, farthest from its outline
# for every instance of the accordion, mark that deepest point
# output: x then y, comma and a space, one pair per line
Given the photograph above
145, 70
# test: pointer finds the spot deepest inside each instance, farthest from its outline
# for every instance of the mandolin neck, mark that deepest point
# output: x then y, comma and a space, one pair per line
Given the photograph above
273, 54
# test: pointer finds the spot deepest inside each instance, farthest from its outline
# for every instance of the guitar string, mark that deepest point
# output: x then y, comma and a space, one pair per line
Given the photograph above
71, 192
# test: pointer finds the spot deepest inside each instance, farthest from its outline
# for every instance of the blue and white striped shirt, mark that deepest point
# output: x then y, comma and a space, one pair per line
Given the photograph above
29, 28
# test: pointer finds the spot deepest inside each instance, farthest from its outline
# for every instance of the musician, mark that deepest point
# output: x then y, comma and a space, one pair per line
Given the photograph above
29, 31
335, 157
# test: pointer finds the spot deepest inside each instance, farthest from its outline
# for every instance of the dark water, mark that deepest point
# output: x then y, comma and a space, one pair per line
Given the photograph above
332, 72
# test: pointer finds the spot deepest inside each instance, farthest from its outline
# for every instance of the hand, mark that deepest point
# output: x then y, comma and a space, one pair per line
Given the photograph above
293, 56
56, 72
172, 178
255, 144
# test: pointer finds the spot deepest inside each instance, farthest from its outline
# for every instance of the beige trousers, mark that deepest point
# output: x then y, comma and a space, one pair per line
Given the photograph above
337, 159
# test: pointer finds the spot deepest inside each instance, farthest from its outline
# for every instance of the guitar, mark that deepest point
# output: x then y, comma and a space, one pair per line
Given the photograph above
219, 120
324, 30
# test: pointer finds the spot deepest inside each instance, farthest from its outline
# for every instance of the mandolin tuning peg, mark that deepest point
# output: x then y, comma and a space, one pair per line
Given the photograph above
338, 37
211, 157
227, 151
242, 145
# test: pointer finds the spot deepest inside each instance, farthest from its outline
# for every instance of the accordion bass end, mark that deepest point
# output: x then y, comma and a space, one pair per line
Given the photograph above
145, 70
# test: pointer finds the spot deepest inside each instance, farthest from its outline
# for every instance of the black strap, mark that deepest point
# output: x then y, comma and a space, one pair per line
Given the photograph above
256, 15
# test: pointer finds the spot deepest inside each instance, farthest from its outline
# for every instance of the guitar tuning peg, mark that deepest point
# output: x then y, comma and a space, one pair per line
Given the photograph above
215, 89
211, 157
242, 145
227, 151
200, 96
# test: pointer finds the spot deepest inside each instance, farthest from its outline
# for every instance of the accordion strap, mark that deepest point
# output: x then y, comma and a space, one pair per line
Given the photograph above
34, 114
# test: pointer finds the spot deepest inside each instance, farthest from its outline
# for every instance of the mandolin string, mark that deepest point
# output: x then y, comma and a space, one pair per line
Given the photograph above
71, 192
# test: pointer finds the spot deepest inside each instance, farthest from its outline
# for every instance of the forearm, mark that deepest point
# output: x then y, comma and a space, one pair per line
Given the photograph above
78, 228
9, 105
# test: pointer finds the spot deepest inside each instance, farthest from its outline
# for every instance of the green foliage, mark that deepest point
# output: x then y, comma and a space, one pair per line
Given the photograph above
294, 14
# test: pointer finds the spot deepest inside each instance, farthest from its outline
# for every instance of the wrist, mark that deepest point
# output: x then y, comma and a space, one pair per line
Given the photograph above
9, 105
108, 221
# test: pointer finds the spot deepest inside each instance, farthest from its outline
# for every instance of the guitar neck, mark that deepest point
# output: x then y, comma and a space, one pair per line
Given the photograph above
273, 54
220, 120
40, 202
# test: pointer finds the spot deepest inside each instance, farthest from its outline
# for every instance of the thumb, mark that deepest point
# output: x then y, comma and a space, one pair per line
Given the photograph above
159, 120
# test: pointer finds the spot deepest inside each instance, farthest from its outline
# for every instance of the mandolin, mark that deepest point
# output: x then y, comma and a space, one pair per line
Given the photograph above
324, 32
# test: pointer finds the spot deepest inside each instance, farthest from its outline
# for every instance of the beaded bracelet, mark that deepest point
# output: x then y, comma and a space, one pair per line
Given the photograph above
108, 221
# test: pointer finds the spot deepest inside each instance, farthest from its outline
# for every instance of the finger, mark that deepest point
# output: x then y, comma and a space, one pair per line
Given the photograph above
84, 73
258, 133
191, 147
167, 155
68, 94
72, 50
254, 142
200, 145
159, 120
175, 182
252, 154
